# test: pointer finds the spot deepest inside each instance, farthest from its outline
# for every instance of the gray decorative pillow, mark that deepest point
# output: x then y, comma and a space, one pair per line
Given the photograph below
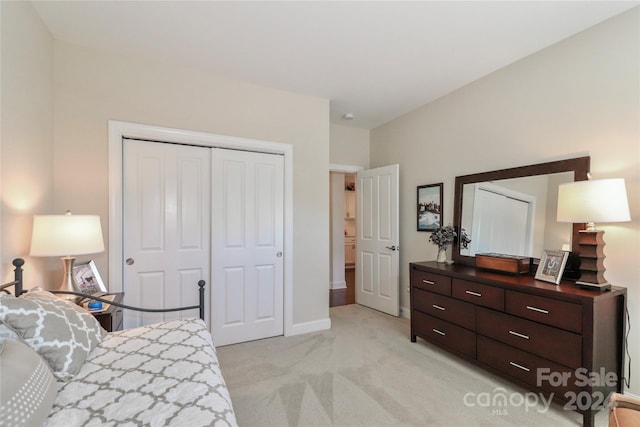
6, 333
27, 387
60, 331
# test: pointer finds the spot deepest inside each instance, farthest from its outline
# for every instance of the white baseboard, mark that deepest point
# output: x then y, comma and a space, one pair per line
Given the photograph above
308, 327
338, 285
405, 312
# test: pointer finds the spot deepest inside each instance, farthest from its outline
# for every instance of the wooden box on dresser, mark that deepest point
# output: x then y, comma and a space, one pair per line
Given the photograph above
527, 331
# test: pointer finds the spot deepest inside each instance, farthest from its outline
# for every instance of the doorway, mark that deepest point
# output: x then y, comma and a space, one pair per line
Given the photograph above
377, 245
343, 232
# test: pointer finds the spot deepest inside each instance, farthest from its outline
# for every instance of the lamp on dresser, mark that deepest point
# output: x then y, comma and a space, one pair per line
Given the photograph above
603, 200
66, 236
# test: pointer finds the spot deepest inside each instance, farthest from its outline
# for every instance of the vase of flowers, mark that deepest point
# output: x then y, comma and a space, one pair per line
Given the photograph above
444, 236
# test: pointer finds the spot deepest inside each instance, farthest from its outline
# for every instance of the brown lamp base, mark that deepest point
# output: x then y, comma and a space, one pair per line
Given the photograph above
592, 261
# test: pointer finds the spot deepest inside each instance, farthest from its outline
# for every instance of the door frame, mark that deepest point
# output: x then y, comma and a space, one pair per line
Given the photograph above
119, 130
334, 167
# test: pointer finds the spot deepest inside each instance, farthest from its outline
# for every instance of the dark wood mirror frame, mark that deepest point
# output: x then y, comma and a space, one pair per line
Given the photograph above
580, 166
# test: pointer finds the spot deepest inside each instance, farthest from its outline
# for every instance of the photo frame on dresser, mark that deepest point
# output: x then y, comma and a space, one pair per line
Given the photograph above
429, 207
87, 278
551, 266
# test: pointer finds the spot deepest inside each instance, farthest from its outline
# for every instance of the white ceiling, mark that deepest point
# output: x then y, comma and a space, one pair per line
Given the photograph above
377, 60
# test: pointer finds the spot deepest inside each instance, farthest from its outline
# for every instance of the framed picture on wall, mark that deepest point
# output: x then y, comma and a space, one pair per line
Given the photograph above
551, 266
429, 207
87, 278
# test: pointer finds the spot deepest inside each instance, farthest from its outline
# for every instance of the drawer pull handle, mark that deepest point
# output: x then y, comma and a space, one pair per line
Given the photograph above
475, 294
438, 332
539, 310
524, 368
428, 282
519, 335
438, 307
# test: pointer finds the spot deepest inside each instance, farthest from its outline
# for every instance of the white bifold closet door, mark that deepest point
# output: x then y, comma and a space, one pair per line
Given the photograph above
248, 215
194, 213
166, 219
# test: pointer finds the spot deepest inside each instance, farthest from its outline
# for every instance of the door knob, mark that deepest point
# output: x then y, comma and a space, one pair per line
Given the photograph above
130, 261
279, 254
393, 248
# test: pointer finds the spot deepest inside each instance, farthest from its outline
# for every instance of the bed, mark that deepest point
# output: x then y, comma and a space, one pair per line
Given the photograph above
58, 367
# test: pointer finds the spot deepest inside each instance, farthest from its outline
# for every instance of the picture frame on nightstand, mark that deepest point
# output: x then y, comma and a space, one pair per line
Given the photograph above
87, 278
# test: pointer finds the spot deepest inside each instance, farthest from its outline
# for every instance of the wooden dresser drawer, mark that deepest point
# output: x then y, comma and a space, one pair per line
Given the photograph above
524, 366
551, 343
545, 338
446, 308
562, 314
444, 333
477, 293
431, 282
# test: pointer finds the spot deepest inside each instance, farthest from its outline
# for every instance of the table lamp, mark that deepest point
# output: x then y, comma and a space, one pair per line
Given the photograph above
66, 236
603, 200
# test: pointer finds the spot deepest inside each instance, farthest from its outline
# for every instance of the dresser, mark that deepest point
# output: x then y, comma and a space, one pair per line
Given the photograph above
564, 342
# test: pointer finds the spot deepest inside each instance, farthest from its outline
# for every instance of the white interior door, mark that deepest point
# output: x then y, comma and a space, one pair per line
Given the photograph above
247, 260
166, 226
377, 239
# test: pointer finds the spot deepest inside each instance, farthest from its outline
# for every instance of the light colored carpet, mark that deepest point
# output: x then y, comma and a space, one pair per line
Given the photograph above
366, 372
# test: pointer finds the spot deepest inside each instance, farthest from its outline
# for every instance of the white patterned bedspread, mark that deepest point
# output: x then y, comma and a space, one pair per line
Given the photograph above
166, 374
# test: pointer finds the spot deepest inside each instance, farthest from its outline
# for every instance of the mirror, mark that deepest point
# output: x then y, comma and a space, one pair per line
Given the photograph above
512, 211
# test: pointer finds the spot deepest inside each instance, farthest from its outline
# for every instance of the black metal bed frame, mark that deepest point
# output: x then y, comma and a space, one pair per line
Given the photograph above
19, 290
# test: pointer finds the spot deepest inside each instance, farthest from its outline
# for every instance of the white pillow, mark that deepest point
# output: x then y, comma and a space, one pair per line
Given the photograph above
60, 331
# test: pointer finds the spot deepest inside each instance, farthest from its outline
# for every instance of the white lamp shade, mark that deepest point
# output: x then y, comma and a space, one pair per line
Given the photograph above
602, 200
66, 235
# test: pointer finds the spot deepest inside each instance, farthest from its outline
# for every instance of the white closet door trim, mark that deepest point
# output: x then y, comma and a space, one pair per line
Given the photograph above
334, 167
119, 130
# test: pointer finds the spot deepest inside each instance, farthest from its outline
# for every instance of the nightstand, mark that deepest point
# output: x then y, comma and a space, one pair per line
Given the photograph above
111, 319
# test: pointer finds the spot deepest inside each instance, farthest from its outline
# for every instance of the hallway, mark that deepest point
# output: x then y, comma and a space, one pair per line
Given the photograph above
338, 297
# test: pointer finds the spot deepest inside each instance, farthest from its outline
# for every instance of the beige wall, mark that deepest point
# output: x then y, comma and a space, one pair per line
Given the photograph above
349, 146
580, 96
57, 99
92, 87
26, 139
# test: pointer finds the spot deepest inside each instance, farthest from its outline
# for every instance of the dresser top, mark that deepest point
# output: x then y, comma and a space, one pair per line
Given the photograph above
525, 283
